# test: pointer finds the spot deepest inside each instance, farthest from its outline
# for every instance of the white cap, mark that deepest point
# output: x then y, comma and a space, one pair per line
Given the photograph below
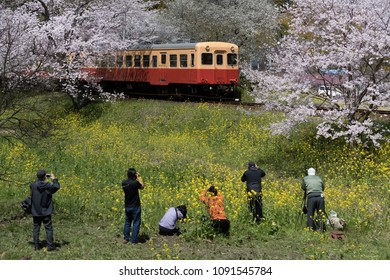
311, 171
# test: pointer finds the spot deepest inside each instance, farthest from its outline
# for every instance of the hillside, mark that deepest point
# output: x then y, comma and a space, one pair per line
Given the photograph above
180, 149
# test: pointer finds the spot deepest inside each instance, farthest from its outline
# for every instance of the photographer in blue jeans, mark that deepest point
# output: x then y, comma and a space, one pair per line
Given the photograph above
132, 205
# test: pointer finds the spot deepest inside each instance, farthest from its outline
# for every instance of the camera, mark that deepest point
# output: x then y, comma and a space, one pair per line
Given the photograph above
48, 175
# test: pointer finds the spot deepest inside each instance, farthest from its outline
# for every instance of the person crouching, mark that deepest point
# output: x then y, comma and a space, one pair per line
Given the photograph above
216, 210
167, 225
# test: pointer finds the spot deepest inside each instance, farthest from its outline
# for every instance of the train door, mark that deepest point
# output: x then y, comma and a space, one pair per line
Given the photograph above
191, 64
220, 75
163, 68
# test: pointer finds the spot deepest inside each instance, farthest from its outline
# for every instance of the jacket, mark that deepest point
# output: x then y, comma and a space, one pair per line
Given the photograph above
252, 177
41, 197
214, 204
169, 219
312, 184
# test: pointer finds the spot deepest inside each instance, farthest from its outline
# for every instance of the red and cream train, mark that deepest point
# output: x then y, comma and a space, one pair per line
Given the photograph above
204, 69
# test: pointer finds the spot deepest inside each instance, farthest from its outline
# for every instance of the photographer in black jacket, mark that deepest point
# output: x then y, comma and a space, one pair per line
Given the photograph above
252, 176
42, 207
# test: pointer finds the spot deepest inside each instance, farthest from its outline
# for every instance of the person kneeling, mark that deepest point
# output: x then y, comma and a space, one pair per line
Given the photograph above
216, 209
167, 225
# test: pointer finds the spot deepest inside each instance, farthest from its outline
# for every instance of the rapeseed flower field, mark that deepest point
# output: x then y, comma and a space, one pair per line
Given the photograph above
179, 150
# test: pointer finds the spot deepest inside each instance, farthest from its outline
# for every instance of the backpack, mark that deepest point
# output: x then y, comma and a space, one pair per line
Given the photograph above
337, 223
337, 235
26, 205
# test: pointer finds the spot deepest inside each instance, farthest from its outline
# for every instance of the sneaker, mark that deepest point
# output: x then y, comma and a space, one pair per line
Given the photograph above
51, 249
125, 241
38, 246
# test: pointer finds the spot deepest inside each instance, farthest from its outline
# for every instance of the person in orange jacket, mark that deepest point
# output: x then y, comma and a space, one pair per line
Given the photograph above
216, 209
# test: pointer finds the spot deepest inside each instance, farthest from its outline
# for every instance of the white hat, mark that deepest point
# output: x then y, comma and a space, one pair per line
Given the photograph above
311, 171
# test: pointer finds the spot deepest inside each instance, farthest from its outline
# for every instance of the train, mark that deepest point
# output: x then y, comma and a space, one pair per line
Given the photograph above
192, 69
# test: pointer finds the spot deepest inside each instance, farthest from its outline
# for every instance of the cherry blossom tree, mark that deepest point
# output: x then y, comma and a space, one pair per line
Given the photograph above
54, 35
343, 46
23, 55
43, 42
93, 26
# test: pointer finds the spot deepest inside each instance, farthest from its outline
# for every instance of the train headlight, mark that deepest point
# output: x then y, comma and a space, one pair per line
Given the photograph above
232, 49
207, 48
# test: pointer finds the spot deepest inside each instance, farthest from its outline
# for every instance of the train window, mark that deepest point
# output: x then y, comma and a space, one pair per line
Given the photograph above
207, 58
183, 60
111, 61
232, 59
192, 60
163, 58
119, 61
173, 60
146, 60
137, 61
95, 61
154, 61
129, 60
219, 59
102, 62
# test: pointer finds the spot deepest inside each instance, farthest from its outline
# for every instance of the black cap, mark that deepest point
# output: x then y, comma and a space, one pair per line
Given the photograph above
41, 174
131, 173
213, 190
251, 164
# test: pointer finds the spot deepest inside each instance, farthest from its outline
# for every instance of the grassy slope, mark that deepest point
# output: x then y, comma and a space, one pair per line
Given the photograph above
172, 145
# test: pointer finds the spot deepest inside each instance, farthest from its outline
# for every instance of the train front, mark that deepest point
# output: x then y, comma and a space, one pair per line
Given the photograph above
217, 69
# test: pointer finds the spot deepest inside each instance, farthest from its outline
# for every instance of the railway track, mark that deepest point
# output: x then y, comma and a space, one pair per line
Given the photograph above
219, 101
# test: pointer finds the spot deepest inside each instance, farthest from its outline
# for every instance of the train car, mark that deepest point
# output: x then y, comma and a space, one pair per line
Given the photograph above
204, 69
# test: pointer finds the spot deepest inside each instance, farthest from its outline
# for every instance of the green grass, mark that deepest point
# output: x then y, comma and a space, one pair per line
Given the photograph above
180, 149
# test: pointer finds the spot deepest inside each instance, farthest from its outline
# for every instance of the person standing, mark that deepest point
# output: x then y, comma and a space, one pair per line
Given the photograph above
42, 207
130, 186
216, 209
252, 176
167, 225
314, 187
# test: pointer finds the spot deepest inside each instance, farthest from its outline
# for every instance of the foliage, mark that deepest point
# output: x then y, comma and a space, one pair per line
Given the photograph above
180, 149
248, 23
283, 5
344, 46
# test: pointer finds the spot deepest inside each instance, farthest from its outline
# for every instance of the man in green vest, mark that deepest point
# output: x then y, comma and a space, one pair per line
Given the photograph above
314, 187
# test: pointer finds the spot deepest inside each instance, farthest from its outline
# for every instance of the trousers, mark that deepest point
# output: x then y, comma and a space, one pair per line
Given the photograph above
46, 220
222, 226
256, 207
133, 217
316, 204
